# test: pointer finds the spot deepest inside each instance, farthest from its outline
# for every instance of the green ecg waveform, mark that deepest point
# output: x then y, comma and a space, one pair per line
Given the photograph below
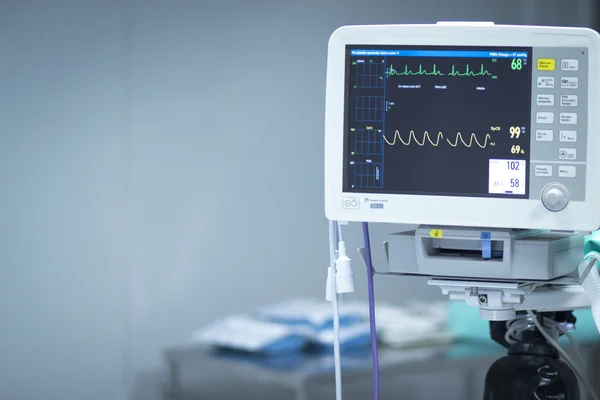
481, 72
391, 71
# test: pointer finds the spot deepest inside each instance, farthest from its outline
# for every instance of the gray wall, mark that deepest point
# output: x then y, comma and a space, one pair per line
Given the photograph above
63, 166
158, 170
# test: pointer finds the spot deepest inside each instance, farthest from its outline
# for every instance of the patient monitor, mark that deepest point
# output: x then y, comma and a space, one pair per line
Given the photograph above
485, 137
460, 125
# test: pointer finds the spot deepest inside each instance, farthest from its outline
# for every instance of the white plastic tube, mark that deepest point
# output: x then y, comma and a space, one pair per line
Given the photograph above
331, 277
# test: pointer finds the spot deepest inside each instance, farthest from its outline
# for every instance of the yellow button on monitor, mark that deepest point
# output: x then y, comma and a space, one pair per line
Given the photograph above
546, 64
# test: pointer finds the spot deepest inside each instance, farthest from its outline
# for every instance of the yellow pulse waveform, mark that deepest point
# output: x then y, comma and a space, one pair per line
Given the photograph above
435, 143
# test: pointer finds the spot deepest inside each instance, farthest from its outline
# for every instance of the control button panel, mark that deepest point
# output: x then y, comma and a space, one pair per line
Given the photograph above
559, 123
555, 197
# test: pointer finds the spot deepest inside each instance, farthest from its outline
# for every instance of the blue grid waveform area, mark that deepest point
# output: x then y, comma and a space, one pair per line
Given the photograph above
367, 142
369, 75
367, 175
369, 108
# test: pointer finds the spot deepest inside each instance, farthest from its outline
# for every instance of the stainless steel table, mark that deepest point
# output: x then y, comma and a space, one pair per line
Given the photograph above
450, 372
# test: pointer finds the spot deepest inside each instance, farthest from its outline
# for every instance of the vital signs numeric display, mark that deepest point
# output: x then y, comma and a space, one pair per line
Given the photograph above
437, 120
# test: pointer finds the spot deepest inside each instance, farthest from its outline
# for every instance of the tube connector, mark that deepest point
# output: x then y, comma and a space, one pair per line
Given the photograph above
344, 278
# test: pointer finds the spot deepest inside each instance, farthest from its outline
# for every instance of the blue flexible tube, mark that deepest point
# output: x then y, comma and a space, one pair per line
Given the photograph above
374, 353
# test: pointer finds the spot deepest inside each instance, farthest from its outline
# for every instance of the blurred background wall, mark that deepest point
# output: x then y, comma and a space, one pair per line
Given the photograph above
161, 166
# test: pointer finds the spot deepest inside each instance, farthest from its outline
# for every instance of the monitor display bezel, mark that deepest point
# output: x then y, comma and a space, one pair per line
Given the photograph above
455, 210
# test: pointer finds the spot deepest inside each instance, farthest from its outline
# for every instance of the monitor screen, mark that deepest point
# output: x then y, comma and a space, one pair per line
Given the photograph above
443, 121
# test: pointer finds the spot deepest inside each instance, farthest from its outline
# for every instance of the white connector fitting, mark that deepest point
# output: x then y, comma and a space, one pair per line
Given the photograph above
344, 281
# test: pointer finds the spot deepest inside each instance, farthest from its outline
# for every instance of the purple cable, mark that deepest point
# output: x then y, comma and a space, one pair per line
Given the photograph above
369, 263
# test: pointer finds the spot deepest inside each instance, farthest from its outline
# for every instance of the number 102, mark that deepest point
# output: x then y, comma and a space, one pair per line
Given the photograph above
513, 165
